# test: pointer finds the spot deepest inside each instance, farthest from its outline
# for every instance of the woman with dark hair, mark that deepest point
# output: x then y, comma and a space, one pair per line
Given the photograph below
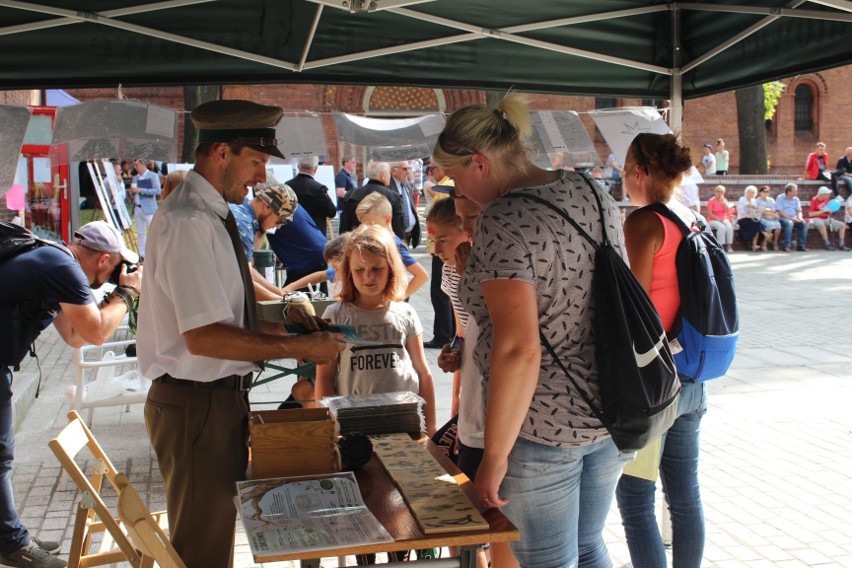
722, 157
769, 217
547, 460
653, 169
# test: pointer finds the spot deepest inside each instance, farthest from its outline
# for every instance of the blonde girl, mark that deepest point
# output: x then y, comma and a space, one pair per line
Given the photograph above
375, 209
373, 285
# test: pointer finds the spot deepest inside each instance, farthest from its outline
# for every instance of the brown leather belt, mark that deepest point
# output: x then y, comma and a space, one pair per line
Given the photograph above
232, 382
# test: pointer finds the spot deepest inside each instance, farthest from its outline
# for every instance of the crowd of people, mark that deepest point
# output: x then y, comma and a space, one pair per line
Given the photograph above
503, 275
763, 221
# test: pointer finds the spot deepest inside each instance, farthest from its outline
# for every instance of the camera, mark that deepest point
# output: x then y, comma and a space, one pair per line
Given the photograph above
131, 267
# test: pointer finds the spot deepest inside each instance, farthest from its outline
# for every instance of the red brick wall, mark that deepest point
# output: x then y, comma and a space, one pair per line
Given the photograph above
709, 118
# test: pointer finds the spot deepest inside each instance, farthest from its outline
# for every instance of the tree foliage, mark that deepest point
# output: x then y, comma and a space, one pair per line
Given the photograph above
771, 95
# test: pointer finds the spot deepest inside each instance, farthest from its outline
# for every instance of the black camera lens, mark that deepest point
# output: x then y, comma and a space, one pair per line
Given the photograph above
113, 278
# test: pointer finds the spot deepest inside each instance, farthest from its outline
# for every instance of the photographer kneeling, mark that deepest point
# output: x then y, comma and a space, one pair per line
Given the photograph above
50, 284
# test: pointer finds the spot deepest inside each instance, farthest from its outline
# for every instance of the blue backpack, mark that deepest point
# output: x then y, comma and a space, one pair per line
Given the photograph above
708, 327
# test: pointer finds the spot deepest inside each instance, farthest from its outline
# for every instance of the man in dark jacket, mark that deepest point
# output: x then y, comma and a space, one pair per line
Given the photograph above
401, 183
843, 173
378, 174
312, 195
345, 180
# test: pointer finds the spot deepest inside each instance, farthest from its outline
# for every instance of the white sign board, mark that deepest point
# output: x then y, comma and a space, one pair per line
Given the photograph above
13, 127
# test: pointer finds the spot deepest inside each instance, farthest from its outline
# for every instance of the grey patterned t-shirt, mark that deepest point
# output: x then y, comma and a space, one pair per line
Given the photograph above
519, 239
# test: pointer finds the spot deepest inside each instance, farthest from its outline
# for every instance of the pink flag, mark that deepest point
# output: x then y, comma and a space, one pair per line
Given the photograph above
15, 198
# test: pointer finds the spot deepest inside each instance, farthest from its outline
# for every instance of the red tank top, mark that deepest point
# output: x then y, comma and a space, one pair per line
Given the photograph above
664, 293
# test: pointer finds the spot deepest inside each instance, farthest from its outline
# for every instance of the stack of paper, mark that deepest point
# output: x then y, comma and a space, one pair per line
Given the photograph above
383, 413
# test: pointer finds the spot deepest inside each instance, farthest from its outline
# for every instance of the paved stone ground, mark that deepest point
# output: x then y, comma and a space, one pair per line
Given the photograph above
777, 440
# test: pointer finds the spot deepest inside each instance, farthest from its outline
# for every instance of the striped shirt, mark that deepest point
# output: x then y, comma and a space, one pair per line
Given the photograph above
450, 286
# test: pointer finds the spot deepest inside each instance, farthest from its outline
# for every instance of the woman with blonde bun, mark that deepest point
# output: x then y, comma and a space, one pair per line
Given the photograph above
548, 462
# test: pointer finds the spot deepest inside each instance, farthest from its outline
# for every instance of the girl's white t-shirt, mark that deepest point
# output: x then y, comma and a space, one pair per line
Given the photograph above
381, 367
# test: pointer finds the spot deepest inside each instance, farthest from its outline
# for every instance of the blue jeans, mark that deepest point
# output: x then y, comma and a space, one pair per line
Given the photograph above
13, 534
559, 499
679, 475
787, 227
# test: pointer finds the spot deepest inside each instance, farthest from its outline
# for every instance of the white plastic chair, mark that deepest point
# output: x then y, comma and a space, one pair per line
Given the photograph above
91, 364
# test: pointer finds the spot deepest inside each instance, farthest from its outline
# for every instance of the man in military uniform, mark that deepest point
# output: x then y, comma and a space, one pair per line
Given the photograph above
199, 339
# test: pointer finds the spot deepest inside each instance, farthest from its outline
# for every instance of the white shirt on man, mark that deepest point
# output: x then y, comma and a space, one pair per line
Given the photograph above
709, 161
192, 279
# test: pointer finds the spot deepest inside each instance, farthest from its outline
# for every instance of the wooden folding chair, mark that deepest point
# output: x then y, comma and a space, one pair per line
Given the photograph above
143, 527
93, 516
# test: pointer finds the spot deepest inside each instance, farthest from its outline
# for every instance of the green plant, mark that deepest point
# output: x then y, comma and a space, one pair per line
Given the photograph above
771, 94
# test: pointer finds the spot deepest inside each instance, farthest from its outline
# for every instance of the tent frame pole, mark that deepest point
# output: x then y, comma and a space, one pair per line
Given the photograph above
675, 114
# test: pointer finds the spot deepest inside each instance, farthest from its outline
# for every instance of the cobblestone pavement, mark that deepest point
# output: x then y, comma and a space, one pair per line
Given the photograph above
776, 442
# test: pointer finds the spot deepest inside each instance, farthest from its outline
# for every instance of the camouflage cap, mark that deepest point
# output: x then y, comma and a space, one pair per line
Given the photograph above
279, 197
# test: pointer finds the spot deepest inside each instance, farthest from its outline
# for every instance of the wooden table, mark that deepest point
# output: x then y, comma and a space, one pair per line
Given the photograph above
385, 502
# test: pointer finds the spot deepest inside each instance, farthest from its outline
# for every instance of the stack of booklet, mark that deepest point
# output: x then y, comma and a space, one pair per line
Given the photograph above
382, 413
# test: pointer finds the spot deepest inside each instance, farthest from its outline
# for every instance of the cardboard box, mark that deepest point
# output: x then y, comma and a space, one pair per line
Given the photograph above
293, 442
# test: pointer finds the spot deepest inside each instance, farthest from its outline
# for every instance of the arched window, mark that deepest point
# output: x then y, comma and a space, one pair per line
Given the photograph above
804, 108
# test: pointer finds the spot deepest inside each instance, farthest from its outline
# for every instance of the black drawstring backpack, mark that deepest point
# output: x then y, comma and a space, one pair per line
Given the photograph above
637, 379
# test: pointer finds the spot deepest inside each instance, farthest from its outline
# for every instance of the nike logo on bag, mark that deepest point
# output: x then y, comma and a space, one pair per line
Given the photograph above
645, 359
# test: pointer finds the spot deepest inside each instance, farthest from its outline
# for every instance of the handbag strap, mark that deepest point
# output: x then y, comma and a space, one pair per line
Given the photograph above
665, 211
597, 246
